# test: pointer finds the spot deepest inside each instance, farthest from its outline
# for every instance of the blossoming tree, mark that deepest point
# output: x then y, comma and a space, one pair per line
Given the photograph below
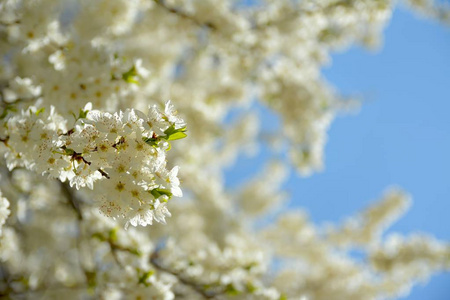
95, 157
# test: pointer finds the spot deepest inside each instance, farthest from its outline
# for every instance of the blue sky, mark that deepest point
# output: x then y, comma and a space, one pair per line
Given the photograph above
401, 136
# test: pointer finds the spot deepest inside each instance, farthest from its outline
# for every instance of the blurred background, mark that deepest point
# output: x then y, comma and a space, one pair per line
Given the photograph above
400, 136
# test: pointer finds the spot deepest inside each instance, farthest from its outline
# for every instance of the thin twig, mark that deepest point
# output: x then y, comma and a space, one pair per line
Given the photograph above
199, 289
184, 15
104, 174
73, 200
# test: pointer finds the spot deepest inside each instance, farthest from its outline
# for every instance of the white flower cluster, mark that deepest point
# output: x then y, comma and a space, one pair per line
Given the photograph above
123, 153
235, 268
4, 211
388, 271
21, 88
439, 10
366, 229
221, 63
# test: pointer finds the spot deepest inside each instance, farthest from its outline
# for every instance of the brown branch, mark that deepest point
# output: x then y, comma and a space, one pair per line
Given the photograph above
198, 288
6, 24
104, 174
73, 200
5, 140
113, 247
184, 15
40, 293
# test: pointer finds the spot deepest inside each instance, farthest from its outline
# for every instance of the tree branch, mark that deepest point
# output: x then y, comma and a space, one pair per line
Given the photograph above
182, 14
73, 200
198, 288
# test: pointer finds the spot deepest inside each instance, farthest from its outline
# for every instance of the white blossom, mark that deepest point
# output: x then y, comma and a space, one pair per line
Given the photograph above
84, 89
4, 211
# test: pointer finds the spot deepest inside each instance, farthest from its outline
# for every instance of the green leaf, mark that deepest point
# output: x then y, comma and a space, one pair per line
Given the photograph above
158, 192
6, 110
151, 141
83, 114
250, 266
174, 134
170, 130
99, 236
231, 290
143, 279
132, 79
91, 279
135, 252
251, 288
169, 146
69, 151
39, 111
113, 235
130, 75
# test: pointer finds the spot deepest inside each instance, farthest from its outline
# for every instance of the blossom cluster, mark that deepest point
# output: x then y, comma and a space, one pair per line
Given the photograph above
4, 211
123, 154
221, 63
